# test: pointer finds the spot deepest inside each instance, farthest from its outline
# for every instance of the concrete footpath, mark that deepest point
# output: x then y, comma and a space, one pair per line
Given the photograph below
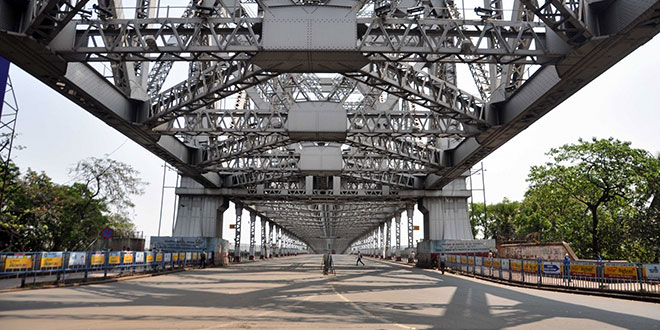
291, 293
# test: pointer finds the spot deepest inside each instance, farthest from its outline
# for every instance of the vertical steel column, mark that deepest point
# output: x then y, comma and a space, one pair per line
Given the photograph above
237, 239
279, 241
397, 232
262, 254
253, 225
388, 239
410, 210
382, 241
271, 240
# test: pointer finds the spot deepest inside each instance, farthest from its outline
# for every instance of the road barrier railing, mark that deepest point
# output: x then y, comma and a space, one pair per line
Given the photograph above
621, 277
39, 267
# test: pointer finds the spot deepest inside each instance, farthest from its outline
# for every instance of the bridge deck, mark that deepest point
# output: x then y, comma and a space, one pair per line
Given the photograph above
291, 293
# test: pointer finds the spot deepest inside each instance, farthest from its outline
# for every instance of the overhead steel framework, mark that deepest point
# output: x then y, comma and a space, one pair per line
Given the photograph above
328, 118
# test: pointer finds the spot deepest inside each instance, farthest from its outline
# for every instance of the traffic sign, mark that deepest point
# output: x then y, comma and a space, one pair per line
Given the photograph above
415, 227
107, 233
232, 226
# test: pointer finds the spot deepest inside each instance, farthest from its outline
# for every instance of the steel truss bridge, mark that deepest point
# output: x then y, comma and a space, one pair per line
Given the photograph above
327, 118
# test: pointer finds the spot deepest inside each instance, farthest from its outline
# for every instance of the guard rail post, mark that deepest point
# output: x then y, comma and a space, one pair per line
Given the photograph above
539, 270
522, 270
640, 277
87, 265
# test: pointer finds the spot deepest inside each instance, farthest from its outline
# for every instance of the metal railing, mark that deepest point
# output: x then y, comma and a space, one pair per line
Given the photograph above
41, 267
617, 277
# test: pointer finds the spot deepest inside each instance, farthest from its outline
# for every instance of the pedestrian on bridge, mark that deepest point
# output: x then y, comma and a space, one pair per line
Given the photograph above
443, 262
359, 259
203, 259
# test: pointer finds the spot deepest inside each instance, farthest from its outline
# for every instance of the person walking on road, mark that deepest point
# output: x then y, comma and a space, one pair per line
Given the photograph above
359, 259
443, 262
203, 259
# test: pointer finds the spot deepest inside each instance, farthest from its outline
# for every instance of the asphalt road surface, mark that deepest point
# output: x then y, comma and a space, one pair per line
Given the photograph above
291, 293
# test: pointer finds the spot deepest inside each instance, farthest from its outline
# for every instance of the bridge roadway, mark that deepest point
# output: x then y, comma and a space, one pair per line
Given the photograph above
291, 293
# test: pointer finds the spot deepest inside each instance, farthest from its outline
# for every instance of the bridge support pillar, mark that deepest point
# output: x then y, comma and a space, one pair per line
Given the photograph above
446, 217
262, 253
253, 224
388, 239
397, 237
271, 240
382, 241
199, 215
411, 230
237, 238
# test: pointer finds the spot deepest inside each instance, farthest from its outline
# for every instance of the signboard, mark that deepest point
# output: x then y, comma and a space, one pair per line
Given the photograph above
516, 265
479, 261
114, 258
139, 257
583, 270
18, 261
182, 256
195, 255
487, 263
107, 233
97, 259
232, 226
470, 260
188, 255
175, 256
159, 257
128, 257
626, 271
77, 258
552, 268
456, 246
4, 73
497, 264
150, 257
652, 272
51, 259
505, 263
415, 227
530, 266
167, 256
463, 260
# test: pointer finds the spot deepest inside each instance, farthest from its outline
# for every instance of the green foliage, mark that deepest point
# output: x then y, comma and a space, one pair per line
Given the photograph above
600, 196
39, 215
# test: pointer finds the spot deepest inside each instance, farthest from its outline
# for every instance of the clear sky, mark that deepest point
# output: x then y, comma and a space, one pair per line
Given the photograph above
621, 103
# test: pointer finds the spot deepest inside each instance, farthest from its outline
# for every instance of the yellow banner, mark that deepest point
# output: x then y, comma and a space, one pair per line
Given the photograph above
487, 262
496, 264
97, 259
18, 262
583, 270
51, 262
463, 260
159, 257
128, 258
471, 261
530, 267
114, 260
625, 272
182, 256
195, 256
175, 256
516, 265
150, 258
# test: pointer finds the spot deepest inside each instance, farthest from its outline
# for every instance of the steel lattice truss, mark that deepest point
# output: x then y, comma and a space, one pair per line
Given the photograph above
407, 95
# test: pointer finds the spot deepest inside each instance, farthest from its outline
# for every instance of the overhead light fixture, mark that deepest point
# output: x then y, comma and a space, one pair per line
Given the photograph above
383, 10
415, 10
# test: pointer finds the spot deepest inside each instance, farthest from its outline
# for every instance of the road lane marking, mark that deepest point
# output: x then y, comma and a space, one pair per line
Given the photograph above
367, 313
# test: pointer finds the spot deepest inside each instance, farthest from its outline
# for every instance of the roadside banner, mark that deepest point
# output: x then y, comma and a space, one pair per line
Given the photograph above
114, 258
480, 261
530, 266
77, 259
18, 261
175, 257
188, 255
51, 259
652, 272
166, 256
97, 259
139, 257
622, 271
470, 260
516, 265
150, 257
505, 264
497, 263
463, 260
583, 270
182, 256
488, 262
128, 257
551, 268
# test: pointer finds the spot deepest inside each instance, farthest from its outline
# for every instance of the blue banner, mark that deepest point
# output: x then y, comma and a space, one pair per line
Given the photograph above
4, 74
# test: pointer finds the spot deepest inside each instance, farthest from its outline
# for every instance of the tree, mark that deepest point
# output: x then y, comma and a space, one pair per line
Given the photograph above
109, 180
496, 220
600, 175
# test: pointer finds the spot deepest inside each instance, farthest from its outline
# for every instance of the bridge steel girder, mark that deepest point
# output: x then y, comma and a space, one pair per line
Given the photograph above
391, 39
